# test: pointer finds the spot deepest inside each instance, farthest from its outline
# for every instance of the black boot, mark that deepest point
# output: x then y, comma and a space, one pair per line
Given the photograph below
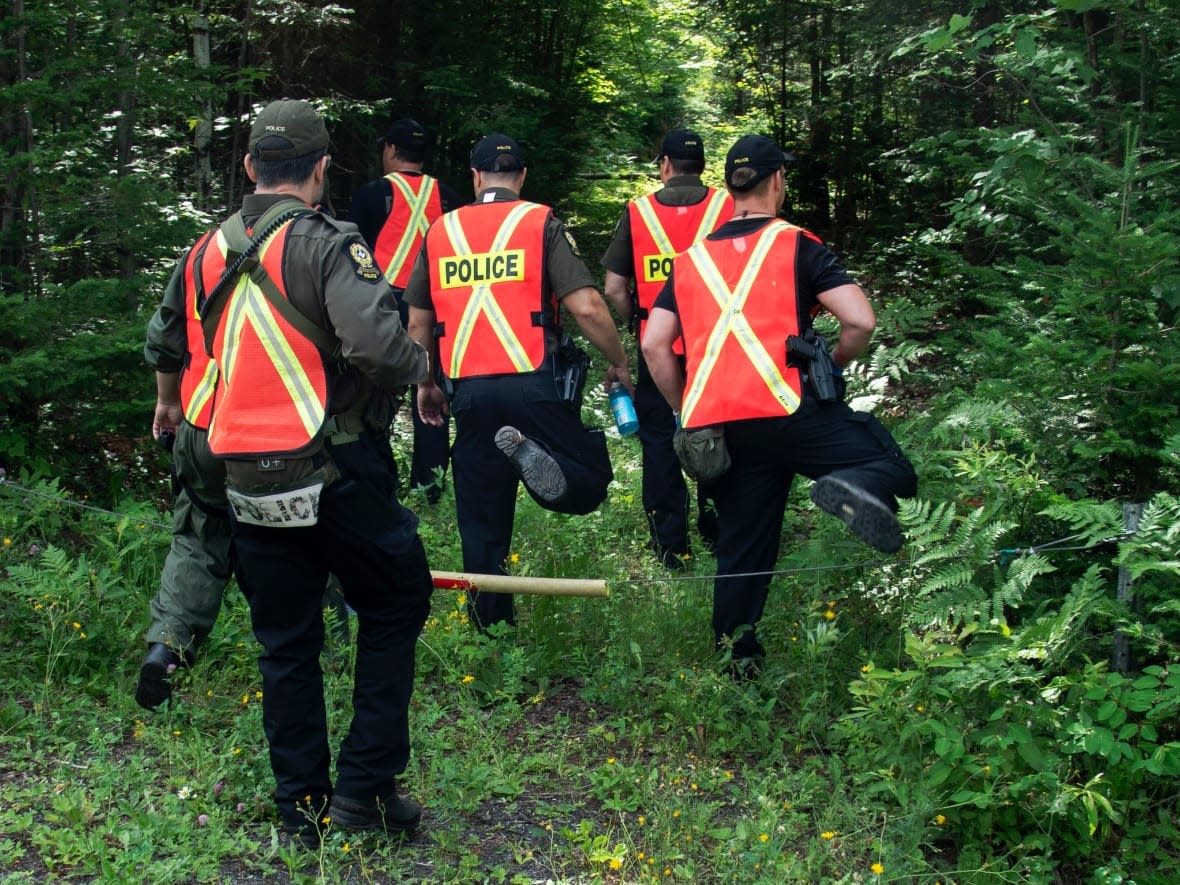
155, 686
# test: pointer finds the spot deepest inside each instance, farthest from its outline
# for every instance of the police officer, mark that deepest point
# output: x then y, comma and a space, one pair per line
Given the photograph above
393, 214
491, 276
197, 567
304, 333
651, 232
737, 296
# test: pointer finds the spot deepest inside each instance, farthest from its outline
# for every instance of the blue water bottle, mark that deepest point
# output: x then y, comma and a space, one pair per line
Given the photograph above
624, 410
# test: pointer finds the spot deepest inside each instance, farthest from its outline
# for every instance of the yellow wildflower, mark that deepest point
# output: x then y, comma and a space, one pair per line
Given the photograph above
616, 864
940, 819
468, 679
514, 558
765, 837
828, 834
346, 847
829, 614
877, 868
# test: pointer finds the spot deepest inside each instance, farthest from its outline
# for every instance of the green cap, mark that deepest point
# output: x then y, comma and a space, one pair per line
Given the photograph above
286, 129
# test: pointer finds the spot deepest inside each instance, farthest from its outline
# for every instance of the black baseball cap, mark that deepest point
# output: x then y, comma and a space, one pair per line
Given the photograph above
286, 129
756, 152
406, 133
682, 144
493, 147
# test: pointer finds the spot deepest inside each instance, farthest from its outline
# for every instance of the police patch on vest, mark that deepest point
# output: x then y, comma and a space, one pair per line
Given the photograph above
480, 268
569, 238
656, 268
362, 260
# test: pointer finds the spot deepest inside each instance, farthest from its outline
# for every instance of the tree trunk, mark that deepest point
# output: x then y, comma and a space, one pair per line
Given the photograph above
203, 137
15, 133
124, 131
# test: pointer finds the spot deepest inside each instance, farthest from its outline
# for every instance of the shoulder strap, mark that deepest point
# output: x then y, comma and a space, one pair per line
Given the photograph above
246, 248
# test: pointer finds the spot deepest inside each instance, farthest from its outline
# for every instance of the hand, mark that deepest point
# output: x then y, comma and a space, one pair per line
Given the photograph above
620, 374
166, 418
432, 404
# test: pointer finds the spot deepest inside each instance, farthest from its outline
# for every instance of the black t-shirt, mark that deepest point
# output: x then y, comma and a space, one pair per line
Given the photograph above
816, 267
372, 202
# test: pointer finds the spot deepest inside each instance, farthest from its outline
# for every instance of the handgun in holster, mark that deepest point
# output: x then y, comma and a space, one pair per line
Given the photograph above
809, 353
570, 366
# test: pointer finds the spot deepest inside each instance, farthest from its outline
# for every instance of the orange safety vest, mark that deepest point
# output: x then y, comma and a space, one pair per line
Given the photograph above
203, 267
737, 303
487, 284
416, 203
659, 233
272, 397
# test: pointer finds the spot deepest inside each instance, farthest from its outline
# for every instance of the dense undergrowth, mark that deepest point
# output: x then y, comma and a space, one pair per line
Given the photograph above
947, 715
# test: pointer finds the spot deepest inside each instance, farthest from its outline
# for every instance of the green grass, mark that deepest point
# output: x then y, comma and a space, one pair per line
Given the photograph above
599, 742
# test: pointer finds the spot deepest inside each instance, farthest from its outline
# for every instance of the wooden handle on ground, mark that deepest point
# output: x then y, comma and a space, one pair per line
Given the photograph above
520, 584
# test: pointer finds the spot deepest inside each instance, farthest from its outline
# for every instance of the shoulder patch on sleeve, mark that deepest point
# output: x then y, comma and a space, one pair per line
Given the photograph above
362, 261
569, 238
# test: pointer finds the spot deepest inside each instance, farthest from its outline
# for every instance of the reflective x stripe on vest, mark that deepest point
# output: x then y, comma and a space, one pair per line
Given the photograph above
272, 398
198, 379
410, 215
486, 284
660, 232
728, 328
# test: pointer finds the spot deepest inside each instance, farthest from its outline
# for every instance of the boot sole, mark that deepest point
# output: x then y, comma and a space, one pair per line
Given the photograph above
864, 514
537, 468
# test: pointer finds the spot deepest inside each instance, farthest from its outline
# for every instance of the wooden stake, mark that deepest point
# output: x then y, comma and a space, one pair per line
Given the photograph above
520, 584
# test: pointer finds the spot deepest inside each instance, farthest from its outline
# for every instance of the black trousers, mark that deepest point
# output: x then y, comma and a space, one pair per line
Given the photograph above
486, 483
431, 444
370, 542
817, 440
665, 492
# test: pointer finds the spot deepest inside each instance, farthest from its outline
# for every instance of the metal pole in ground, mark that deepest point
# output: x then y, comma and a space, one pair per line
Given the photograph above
1120, 658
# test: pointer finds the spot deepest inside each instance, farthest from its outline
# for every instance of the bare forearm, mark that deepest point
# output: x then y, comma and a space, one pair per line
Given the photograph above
421, 328
618, 294
857, 321
666, 373
596, 324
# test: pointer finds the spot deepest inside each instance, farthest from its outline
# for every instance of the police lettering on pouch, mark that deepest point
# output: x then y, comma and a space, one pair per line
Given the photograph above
296, 508
657, 267
481, 267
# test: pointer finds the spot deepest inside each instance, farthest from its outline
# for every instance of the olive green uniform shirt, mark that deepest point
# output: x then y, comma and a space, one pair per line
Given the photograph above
331, 278
565, 271
681, 190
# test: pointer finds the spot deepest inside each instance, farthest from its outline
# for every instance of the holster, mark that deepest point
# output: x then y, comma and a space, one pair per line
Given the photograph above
570, 367
810, 354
